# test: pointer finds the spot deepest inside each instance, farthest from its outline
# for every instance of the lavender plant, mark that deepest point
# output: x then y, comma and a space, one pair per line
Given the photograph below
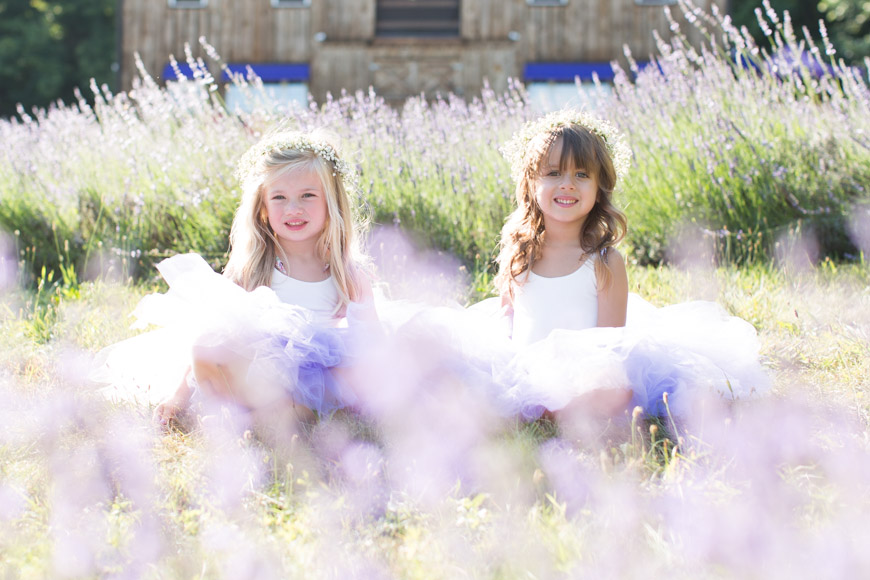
742, 143
142, 174
746, 144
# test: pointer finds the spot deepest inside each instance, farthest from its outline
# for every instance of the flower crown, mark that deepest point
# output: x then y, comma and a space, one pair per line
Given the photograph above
299, 141
514, 151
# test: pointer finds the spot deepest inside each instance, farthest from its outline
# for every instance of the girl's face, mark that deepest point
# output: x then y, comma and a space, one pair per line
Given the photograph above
296, 208
566, 195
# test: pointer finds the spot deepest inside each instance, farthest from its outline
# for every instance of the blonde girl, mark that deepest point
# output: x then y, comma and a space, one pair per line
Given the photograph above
257, 244
294, 233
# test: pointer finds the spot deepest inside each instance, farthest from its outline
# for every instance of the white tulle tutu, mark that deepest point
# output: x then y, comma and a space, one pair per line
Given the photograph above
685, 350
204, 309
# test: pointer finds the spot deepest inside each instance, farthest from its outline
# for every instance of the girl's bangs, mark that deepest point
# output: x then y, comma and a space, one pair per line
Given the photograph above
280, 167
579, 150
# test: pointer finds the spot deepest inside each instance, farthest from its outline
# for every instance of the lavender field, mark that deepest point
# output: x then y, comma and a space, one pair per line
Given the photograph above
749, 187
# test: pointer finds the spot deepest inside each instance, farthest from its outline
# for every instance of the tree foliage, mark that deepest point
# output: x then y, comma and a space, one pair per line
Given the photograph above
49, 47
847, 22
802, 13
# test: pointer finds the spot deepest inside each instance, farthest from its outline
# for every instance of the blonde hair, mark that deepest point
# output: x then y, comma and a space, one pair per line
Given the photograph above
522, 235
253, 245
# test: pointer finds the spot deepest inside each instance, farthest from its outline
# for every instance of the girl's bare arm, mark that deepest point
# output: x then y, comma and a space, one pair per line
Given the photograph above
613, 299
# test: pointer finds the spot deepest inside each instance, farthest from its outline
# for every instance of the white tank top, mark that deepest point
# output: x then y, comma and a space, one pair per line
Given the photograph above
320, 298
543, 304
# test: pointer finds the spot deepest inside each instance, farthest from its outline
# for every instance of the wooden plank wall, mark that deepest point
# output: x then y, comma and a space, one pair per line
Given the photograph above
352, 57
240, 30
344, 20
491, 20
581, 30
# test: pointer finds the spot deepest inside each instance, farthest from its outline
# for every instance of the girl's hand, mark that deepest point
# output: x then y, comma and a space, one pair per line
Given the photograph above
507, 314
507, 305
363, 310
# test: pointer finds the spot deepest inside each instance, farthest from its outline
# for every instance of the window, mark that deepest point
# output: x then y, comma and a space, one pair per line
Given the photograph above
655, 2
552, 96
546, 2
188, 3
290, 3
553, 85
246, 100
417, 18
283, 84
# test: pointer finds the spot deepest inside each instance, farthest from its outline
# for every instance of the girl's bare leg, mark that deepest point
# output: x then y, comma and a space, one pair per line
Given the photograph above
223, 374
597, 404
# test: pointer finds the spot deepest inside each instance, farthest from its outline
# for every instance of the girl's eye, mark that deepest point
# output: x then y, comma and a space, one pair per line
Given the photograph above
553, 173
278, 196
306, 195
582, 174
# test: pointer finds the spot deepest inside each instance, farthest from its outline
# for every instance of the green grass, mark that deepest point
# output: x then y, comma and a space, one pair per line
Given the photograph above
88, 488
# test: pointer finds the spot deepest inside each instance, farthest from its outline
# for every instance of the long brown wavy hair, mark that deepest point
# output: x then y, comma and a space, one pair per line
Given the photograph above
522, 235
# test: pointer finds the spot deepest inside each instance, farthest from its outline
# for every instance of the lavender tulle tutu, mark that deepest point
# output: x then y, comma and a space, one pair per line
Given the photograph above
687, 350
204, 309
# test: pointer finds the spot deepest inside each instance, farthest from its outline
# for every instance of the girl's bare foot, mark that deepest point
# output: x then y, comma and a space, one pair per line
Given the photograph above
172, 408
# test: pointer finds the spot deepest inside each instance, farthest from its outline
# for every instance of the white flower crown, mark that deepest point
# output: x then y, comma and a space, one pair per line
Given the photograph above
514, 151
299, 141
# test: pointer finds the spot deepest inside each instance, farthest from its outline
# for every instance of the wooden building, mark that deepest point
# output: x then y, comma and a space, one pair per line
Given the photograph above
399, 47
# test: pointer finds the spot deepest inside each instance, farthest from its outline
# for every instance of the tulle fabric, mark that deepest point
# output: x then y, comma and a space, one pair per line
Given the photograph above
204, 309
687, 350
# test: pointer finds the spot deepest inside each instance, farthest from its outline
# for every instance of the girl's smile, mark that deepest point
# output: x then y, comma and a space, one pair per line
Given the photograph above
296, 208
296, 225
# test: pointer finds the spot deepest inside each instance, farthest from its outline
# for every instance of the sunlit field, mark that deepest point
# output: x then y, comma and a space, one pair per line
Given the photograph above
748, 188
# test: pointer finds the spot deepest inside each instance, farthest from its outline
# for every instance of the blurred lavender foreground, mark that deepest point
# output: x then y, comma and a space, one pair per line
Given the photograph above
434, 486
